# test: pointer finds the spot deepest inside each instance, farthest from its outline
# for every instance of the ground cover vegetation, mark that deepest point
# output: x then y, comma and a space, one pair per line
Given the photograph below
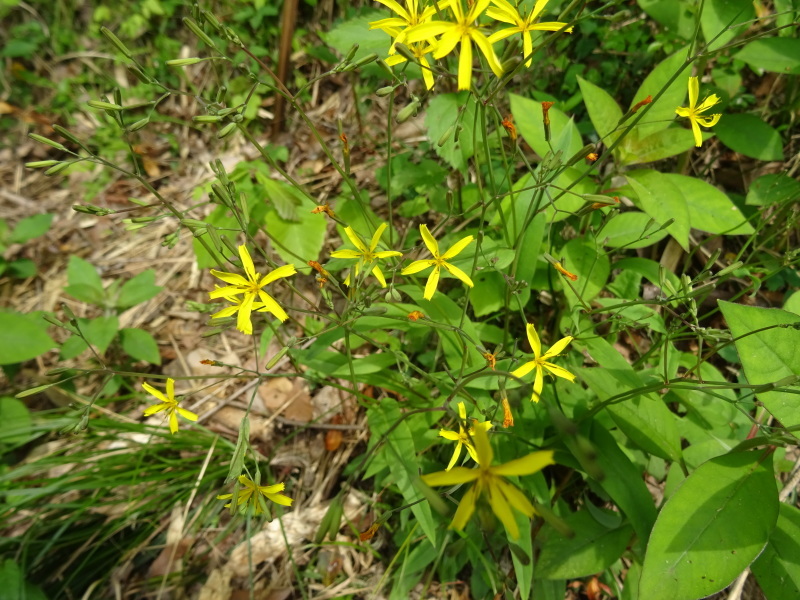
400, 299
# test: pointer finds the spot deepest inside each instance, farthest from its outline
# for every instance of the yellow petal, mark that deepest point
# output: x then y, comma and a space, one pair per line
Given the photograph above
502, 509
417, 266
558, 371
465, 509
556, 348
533, 340
387, 254
345, 254
376, 270
156, 408
430, 241
462, 411
503, 11
187, 414
449, 435
243, 323
280, 272
355, 239
247, 263
698, 135
516, 498
280, 499
452, 477
232, 278
486, 49
272, 307
433, 281
694, 91
459, 273
170, 388
538, 383
173, 422
465, 64
527, 465
457, 248
158, 394
377, 236
524, 369
454, 459
483, 448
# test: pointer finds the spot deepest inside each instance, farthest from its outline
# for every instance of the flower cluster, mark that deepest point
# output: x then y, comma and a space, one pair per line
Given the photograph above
416, 26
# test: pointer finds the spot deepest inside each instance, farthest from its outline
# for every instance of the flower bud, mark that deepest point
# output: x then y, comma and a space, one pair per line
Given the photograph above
43, 140
116, 42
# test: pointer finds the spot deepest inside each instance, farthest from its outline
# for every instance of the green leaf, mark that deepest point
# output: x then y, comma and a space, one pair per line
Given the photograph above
775, 188
656, 146
100, 331
648, 269
373, 363
221, 218
712, 527
14, 585
402, 459
719, 14
489, 294
369, 40
631, 229
84, 282
442, 114
138, 289
624, 483
22, 338
31, 227
604, 111
593, 548
297, 242
644, 418
282, 196
710, 209
777, 570
749, 135
677, 17
528, 118
72, 348
777, 54
637, 316
662, 111
767, 356
590, 264
660, 199
140, 345
15, 422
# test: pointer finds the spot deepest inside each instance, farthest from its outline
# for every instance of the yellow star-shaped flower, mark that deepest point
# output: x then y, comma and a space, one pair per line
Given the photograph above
439, 262
168, 404
490, 481
366, 256
463, 438
694, 112
413, 14
505, 12
251, 288
253, 494
541, 362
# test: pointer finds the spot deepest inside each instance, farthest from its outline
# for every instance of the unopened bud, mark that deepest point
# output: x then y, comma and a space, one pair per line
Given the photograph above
207, 119
407, 112
198, 31
55, 170
446, 136
226, 131
100, 105
116, 41
139, 124
581, 154
184, 62
43, 140
39, 164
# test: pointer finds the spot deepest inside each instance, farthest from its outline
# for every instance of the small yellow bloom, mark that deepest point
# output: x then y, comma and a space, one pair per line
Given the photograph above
250, 493
490, 481
168, 404
540, 361
464, 30
694, 112
413, 14
366, 256
420, 50
463, 437
439, 262
251, 288
505, 12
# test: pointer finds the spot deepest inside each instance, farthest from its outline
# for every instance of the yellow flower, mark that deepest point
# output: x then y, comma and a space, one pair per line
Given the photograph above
693, 112
540, 361
463, 30
490, 481
250, 286
168, 404
438, 262
251, 493
463, 437
419, 50
505, 12
397, 27
366, 256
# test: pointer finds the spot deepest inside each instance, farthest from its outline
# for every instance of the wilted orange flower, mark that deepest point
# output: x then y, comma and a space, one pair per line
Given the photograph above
209, 362
508, 418
545, 111
369, 533
491, 359
639, 105
317, 267
415, 316
564, 272
604, 204
592, 156
508, 125
323, 208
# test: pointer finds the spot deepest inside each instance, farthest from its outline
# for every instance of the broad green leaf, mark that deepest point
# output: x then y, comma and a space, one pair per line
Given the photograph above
442, 114
282, 196
719, 14
373, 363
749, 135
592, 549
71, 348
676, 17
656, 146
138, 289
775, 188
100, 331
84, 282
637, 316
768, 356
489, 294
631, 229
662, 111
402, 458
604, 111
625, 484
31, 227
140, 345
777, 570
528, 118
792, 303
22, 338
297, 242
709, 208
343, 36
15, 421
590, 264
643, 418
711, 528
777, 54
522, 556
568, 203
15, 587
647, 268
660, 199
